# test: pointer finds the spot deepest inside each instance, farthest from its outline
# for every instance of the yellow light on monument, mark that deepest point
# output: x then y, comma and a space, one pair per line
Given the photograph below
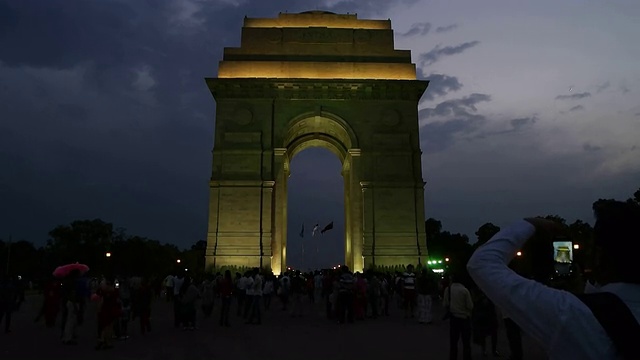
107, 254
519, 253
576, 246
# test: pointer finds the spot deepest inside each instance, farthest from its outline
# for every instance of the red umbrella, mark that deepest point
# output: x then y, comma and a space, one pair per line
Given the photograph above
65, 270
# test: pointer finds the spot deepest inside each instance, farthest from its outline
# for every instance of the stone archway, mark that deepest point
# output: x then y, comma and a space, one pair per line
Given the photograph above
316, 79
329, 131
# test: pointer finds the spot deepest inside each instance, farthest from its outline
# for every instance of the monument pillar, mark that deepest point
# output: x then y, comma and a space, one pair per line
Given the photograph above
279, 210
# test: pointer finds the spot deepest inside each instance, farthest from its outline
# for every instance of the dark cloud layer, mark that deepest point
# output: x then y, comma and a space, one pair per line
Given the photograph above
439, 85
577, 96
449, 119
109, 115
439, 52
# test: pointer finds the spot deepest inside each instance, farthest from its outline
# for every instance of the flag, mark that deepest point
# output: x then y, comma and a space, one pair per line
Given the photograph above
315, 229
302, 231
327, 228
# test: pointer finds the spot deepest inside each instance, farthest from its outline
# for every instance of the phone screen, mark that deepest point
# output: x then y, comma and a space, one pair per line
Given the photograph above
563, 251
562, 256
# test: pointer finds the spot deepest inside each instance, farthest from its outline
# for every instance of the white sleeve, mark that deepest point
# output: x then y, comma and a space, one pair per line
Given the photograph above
547, 314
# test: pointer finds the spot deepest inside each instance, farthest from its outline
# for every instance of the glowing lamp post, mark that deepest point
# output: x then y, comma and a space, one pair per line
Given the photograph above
107, 254
576, 246
519, 253
178, 261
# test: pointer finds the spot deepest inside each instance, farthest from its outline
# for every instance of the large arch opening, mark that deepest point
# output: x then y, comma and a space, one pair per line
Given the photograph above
317, 130
315, 197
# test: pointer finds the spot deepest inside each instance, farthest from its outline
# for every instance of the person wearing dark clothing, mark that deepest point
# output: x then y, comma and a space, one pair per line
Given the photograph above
8, 301
485, 324
514, 337
83, 293
142, 305
225, 288
345, 296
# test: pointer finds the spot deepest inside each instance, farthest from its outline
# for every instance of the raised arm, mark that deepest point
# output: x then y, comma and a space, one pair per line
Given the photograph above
541, 311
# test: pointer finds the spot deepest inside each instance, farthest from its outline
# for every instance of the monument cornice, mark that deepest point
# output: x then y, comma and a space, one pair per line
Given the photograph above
316, 89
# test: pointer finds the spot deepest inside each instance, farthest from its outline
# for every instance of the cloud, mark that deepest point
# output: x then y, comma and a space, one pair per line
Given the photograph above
439, 85
443, 29
107, 100
576, 108
513, 126
602, 87
590, 148
417, 29
439, 52
577, 96
444, 123
519, 123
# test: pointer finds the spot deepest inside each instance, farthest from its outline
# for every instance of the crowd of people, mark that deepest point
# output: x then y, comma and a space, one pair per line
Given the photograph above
344, 297
602, 323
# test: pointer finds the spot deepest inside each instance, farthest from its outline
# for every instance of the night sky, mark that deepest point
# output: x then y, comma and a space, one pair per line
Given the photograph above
104, 113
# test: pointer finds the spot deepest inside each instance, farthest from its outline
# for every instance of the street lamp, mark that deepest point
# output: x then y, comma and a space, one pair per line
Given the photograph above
519, 253
446, 259
108, 254
576, 246
178, 261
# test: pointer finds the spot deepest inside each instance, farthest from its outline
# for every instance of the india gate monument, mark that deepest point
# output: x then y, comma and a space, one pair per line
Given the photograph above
316, 79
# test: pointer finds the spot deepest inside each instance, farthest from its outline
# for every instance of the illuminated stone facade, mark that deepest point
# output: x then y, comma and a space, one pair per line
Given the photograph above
316, 79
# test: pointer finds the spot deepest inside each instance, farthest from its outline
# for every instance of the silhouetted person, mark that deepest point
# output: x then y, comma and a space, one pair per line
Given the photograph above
8, 301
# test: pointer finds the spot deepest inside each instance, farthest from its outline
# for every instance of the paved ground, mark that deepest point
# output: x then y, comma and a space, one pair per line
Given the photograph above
279, 337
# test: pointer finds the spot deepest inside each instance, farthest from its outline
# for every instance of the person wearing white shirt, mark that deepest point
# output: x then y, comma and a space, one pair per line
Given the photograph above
562, 322
267, 291
248, 301
457, 299
256, 298
168, 287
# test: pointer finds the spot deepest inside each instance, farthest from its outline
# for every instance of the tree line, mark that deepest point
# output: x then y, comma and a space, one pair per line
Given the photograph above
458, 248
104, 249
111, 250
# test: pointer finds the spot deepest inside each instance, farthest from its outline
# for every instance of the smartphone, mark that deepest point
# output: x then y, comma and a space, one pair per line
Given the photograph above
562, 256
